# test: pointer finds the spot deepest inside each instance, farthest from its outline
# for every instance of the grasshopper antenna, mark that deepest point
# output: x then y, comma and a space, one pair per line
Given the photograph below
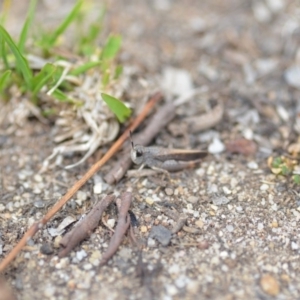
130, 135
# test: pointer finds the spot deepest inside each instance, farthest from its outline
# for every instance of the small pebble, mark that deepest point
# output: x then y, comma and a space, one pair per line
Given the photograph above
111, 223
294, 246
38, 178
229, 228
149, 201
169, 191
47, 249
226, 190
151, 243
97, 188
252, 165
162, 234
216, 146
260, 226
269, 285
39, 204
87, 266
80, 255
143, 229
192, 199
220, 200
264, 187
199, 223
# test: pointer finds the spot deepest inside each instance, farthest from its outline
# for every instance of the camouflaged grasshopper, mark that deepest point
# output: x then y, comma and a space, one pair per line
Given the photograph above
170, 160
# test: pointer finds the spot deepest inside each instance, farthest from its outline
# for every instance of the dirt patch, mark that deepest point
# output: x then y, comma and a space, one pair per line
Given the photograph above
241, 236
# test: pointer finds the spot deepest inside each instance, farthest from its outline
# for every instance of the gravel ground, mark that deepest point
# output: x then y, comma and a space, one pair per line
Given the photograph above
241, 238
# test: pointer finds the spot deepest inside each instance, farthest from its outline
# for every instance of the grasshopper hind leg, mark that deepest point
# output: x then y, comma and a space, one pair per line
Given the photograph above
175, 166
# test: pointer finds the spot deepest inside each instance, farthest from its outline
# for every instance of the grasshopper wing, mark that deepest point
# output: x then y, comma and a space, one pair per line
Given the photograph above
180, 154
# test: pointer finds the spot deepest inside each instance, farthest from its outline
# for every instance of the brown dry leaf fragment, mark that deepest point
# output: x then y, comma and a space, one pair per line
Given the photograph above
123, 205
241, 146
85, 227
269, 285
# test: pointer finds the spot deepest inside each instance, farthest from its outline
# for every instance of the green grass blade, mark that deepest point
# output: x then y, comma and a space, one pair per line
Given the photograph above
42, 78
6, 4
111, 47
121, 111
3, 53
26, 26
61, 96
64, 25
20, 60
4, 79
85, 67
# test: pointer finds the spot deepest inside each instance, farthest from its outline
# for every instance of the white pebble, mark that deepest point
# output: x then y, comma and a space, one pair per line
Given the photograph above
294, 246
216, 146
80, 255
229, 228
264, 187
252, 165
97, 188
111, 223
260, 226
226, 190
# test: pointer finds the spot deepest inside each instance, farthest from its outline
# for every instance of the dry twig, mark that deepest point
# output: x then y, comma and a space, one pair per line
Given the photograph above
123, 205
157, 122
84, 227
95, 168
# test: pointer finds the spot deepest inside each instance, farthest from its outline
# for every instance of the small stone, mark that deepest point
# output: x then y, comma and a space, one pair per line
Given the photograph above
162, 234
292, 76
294, 246
192, 199
81, 195
149, 201
80, 255
226, 190
46, 249
229, 228
39, 204
169, 191
252, 165
87, 266
111, 223
220, 200
57, 240
97, 188
151, 243
264, 187
49, 291
260, 226
181, 281
143, 229
216, 146
199, 223
269, 285
125, 253
239, 209
38, 178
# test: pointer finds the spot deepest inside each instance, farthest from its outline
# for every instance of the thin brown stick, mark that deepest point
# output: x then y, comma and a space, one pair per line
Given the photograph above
114, 148
85, 227
121, 228
156, 124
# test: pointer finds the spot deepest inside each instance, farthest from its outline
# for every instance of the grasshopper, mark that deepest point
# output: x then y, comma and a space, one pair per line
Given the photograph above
170, 160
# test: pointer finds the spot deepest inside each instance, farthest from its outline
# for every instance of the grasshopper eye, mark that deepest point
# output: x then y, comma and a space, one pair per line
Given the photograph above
139, 153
